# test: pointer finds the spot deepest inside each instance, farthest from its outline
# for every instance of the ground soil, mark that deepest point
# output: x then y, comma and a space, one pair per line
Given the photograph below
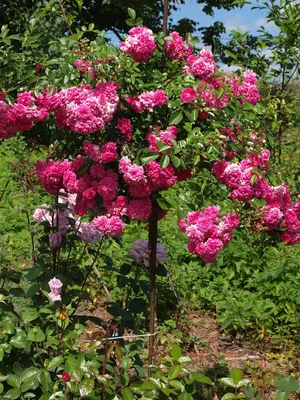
236, 351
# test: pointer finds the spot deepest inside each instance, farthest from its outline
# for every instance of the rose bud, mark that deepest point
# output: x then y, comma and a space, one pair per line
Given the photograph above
65, 376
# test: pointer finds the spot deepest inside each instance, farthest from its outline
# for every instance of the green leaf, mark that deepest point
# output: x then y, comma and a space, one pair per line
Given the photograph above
29, 314
164, 161
14, 381
176, 352
282, 395
33, 384
34, 272
195, 115
177, 385
19, 341
36, 335
131, 13
88, 77
73, 366
175, 161
163, 204
3, 378
148, 386
13, 394
8, 326
176, 118
1, 388
236, 375
286, 385
126, 363
17, 292
137, 305
229, 54
197, 376
130, 22
86, 387
40, 336
29, 374
79, 4
174, 371
228, 382
139, 21
55, 362
150, 157
127, 394
32, 290
185, 396
17, 368
228, 396
243, 383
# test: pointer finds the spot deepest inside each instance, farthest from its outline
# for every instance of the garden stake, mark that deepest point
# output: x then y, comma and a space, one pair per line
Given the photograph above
152, 269
165, 31
153, 236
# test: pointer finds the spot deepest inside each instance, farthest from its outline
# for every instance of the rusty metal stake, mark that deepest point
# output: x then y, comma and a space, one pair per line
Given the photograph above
152, 270
153, 237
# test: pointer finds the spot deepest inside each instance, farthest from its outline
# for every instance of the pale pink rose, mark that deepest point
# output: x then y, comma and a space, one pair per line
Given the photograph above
55, 289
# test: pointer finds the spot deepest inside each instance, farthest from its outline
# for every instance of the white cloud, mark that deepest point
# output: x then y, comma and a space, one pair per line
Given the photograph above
229, 68
269, 26
236, 21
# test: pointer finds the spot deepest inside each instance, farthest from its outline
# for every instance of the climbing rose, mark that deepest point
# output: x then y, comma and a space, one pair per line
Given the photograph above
139, 44
85, 67
208, 232
178, 49
109, 226
187, 95
124, 126
148, 100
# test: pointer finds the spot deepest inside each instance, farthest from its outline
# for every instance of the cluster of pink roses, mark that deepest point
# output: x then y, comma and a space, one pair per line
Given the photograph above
206, 95
97, 187
203, 66
124, 126
82, 109
245, 90
85, 67
244, 182
208, 232
177, 48
167, 137
21, 115
140, 44
147, 100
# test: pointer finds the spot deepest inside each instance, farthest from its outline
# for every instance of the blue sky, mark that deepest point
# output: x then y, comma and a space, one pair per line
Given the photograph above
244, 18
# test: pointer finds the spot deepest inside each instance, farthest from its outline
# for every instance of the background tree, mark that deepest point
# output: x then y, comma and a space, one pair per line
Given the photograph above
107, 15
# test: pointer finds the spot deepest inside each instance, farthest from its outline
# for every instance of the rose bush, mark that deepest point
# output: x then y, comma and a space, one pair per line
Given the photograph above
118, 129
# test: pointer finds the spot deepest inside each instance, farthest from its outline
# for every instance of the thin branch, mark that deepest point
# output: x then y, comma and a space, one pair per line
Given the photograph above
65, 16
87, 275
116, 33
98, 274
